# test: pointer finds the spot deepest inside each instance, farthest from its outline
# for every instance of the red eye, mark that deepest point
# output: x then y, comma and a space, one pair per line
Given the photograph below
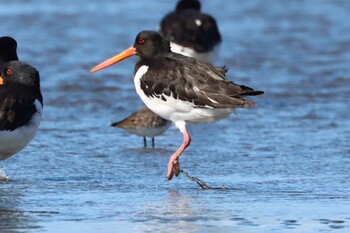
141, 40
9, 71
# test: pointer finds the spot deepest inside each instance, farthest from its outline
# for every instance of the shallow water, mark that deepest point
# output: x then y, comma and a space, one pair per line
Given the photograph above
285, 163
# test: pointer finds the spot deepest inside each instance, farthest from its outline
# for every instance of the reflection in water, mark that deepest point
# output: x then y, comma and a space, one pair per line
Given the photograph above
11, 218
171, 214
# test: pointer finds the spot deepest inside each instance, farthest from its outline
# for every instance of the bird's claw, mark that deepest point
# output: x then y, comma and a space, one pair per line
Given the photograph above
173, 168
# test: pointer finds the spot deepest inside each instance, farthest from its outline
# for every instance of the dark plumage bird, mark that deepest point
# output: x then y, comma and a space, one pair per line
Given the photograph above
191, 32
8, 50
144, 123
21, 105
180, 88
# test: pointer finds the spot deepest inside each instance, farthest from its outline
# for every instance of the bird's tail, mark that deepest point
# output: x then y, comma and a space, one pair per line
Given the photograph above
250, 91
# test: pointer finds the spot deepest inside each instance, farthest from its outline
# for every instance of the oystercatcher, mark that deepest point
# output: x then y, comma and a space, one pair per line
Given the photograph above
191, 32
144, 123
8, 50
180, 88
21, 105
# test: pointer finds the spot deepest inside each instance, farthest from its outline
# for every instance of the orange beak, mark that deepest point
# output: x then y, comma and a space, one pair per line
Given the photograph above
1, 80
117, 58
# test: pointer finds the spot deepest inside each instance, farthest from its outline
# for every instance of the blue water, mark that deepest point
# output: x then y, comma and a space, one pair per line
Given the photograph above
285, 163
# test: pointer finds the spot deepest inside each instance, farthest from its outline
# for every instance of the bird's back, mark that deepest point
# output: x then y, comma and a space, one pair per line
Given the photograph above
191, 28
193, 81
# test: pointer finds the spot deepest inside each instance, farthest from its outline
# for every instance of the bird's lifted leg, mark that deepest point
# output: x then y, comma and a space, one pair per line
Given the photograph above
174, 164
144, 142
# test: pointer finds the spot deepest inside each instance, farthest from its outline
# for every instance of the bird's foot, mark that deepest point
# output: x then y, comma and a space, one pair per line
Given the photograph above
173, 167
3, 176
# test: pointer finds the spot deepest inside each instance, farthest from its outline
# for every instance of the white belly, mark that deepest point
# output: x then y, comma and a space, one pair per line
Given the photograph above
148, 132
14, 141
177, 110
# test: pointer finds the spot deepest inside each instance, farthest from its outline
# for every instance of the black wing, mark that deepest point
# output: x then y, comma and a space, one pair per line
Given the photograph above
16, 107
198, 82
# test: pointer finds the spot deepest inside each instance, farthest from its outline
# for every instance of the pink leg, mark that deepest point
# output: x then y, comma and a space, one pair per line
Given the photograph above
174, 164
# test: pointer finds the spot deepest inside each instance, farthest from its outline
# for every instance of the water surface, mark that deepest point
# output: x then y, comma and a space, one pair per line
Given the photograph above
285, 163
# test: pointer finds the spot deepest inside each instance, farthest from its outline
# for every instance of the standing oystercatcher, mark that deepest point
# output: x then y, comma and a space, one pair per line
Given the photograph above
8, 50
21, 105
180, 88
191, 32
144, 123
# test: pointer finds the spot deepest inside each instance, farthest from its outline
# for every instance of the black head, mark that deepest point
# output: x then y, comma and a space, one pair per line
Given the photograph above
8, 49
150, 44
20, 73
188, 4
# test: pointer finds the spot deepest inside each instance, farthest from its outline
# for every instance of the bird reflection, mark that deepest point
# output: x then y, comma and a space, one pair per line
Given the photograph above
171, 214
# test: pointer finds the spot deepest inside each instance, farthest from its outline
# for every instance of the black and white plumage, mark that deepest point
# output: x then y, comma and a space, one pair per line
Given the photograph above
144, 123
21, 106
191, 32
180, 88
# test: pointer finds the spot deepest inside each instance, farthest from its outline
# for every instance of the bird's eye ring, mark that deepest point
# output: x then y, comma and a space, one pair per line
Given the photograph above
141, 40
9, 71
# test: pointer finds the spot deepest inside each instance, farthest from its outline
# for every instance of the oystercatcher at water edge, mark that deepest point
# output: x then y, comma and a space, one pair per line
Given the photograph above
180, 88
144, 123
8, 50
191, 32
21, 105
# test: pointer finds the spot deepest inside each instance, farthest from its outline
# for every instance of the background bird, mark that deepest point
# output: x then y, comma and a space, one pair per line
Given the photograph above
144, 123
191, 32
8, 50
21, 104
180, 88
